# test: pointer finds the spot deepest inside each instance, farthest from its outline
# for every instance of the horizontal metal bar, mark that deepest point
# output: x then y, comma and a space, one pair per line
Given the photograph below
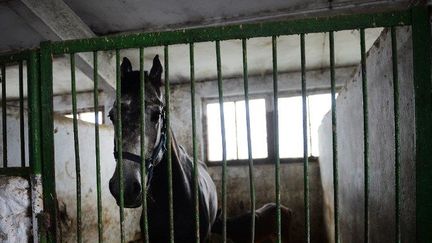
266, 161
14, 57
15, 171
185, 36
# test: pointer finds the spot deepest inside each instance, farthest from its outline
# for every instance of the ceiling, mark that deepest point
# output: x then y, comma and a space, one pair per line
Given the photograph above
25, 23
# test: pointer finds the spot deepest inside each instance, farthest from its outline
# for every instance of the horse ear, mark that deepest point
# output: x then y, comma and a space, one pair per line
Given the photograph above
125, 67
156, 72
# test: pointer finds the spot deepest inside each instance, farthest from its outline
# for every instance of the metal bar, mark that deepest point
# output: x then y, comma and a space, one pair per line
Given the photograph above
16, 171
168, 146
184, 36
34, 113
397, 135
421, 31
4, 116
48, 176
195, 149
97, 144
144, 221
305, 136
249, 143
119, 145
224, 152
76, 146
276, 138
21, 112
14, 57
365, 135
334, 138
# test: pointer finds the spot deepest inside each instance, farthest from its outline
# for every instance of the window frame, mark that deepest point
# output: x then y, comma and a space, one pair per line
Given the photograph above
85, 110
268, 97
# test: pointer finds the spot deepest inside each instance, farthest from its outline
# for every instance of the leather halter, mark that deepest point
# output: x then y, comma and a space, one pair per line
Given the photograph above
157, 153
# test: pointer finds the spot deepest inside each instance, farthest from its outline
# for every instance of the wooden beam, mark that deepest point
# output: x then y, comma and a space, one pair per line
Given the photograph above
55, 21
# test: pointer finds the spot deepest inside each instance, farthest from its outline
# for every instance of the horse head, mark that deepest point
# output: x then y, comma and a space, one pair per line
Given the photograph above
154, 130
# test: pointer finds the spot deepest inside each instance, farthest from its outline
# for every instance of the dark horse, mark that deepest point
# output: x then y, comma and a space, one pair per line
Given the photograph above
156, 163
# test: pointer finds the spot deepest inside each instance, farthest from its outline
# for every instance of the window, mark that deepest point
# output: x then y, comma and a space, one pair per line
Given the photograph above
87, 116
291, 124
290, 127
236, 131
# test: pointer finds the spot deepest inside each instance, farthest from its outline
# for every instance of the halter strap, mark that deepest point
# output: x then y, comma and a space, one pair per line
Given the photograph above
157, 153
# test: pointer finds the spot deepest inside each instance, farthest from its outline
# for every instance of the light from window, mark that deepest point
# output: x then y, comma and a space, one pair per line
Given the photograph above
236, 131
291, 124
87, 116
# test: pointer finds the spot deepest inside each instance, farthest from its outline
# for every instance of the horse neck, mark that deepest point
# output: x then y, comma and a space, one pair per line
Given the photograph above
181, 170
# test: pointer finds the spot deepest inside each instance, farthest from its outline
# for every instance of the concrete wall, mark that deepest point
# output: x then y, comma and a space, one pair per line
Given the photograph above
15, 218
66, 186
381, 145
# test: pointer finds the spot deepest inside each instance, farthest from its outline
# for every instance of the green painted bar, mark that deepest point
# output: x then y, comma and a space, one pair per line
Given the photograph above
144, 221
195, 149
34, 113
334, 137
421, 31
397, 135
15, 57
168, 146
185, 36
48, 175
15, 171
249, 143
97, 144
224, 152
276, 137
305, 136
4, 116
76, 147
365, 135
119, 145
21, 112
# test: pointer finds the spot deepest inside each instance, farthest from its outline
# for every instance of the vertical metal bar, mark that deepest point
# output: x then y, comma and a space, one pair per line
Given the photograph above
305, 136
421, 31
48, 176
249, 143
76, 146
4, 118
276, 138
97, 143
224, 152
365, 135
119, 144
334, 137
168, 146
144, 221
397, 134
21, 112
34, 121
195, 149
34, 138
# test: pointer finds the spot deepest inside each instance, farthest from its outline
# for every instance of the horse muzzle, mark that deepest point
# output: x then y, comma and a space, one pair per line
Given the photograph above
132, 193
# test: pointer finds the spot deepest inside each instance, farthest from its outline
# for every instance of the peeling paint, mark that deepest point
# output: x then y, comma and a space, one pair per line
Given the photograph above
15, 222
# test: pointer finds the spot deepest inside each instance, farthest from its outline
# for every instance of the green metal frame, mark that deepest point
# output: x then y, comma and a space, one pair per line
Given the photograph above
416, 17
33, 169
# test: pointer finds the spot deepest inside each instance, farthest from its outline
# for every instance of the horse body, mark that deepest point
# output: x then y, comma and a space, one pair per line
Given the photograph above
156, 162
183, 197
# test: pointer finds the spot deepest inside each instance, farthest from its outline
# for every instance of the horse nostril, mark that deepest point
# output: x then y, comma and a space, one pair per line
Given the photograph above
136, 188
